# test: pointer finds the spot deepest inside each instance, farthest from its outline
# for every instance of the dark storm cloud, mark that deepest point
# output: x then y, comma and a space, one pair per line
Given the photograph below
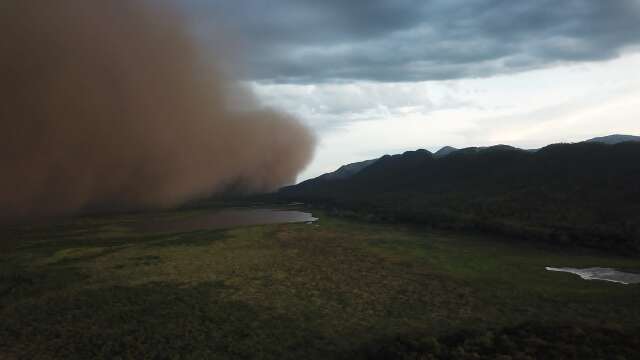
410, 40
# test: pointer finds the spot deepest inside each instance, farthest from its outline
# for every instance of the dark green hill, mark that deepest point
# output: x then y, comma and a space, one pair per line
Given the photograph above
615, 139
585, 193
445, 151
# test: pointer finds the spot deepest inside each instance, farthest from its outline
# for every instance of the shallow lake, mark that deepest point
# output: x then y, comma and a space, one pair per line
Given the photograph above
227, 218
599, 273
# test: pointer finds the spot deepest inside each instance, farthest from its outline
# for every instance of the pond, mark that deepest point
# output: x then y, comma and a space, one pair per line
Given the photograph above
601, 273
227, 218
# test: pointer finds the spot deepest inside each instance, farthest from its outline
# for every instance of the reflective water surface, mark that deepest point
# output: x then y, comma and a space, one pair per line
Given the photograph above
228, 218
600, 273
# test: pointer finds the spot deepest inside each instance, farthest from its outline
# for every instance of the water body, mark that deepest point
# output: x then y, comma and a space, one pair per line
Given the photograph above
599, 273
228, 218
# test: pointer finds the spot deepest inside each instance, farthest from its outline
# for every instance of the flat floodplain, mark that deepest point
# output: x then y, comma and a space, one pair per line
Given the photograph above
96, 287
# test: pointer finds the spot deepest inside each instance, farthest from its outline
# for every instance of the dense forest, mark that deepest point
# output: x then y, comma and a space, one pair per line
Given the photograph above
585, 194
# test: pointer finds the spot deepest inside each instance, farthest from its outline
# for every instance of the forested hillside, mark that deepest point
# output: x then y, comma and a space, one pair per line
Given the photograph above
585, 193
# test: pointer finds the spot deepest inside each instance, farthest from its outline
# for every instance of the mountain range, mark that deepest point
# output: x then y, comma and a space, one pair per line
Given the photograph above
348, 170
585, 193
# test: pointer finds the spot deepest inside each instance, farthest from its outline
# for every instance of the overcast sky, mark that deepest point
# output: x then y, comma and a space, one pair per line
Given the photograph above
383, 76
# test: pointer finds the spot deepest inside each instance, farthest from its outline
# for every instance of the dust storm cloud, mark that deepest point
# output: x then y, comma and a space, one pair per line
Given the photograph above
114, 103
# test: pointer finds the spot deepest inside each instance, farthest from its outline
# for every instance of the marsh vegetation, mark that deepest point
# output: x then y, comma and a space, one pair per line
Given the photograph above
97, 288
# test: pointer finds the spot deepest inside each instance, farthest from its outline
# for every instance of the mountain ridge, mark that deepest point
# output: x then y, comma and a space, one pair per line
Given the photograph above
348, 170
614, 139
585, 193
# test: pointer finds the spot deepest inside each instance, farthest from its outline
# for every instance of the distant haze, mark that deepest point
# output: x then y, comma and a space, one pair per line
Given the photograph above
112, 103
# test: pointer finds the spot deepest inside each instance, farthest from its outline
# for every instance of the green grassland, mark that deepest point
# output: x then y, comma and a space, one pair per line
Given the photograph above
95, 288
